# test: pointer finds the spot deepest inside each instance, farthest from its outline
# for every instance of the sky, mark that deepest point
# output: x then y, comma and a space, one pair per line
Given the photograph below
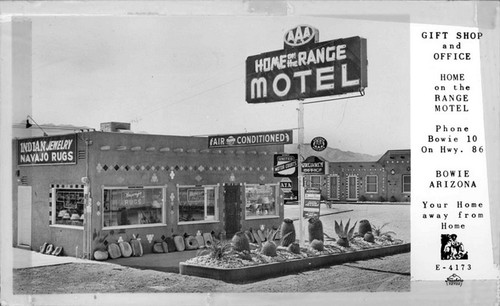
185, 75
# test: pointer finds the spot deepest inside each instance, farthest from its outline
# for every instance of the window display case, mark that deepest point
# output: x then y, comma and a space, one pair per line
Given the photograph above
67, 207
260, 200
197, 203
133, 206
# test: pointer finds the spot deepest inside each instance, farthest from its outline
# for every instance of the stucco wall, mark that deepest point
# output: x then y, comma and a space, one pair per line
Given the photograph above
151, 160
40, 178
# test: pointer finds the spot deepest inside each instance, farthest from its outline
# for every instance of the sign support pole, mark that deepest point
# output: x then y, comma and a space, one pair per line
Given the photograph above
300, 174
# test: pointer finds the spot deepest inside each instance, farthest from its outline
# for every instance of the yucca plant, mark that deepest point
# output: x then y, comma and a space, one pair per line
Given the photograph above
377, 231
345, 233
217, 250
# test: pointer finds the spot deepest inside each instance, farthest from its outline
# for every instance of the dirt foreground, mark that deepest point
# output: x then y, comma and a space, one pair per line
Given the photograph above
390, 273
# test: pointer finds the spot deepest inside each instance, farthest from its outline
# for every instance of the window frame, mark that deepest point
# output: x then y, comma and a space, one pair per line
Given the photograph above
403, 183
216, 219
53, 209
163, 207
310, 182
370, 184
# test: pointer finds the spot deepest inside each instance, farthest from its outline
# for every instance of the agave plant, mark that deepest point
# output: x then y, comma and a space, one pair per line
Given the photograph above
377, 231
345, 233
217, 250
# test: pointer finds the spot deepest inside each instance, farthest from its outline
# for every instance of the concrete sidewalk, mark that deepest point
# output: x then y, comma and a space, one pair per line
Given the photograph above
165, 262
24, 258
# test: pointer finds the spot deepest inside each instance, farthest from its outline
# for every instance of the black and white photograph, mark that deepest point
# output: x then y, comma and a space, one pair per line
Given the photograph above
249, 152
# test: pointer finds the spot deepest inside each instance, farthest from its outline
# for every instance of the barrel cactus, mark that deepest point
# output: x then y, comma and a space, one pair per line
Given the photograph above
317, 245
294, 248
269, 247
240, 242
315, 229
288, 231
369, 237
364, 227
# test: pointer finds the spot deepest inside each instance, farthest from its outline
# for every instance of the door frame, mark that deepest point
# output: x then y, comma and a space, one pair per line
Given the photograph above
351, 187
237, 220
24, 212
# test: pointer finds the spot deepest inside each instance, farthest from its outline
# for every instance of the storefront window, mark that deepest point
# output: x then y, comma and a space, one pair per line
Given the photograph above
198, 203
133, 206
67, 206
260, 201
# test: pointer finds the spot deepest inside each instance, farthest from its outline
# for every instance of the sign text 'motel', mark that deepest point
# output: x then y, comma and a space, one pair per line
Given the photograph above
53, 150
251, 139
306, 68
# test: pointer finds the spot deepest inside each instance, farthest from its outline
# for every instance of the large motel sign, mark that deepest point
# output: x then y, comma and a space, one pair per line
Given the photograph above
306, 68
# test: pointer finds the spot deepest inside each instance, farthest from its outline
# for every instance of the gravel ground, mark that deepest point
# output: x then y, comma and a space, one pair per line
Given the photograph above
390, 273
386, 274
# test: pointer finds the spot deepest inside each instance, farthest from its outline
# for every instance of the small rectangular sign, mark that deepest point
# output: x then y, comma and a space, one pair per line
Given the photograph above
285, 165
49, 150
313, 165
251, 139
312, 203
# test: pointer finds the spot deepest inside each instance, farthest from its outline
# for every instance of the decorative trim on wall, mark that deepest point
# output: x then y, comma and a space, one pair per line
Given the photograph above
177, 168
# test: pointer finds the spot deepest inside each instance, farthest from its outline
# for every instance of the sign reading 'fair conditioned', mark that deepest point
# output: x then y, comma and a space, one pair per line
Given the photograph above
307, 68
251, 139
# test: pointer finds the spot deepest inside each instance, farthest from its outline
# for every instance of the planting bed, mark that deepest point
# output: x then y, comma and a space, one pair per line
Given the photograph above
236, 267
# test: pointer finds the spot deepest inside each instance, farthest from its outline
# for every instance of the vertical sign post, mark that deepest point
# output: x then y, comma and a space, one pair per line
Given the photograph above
300, 174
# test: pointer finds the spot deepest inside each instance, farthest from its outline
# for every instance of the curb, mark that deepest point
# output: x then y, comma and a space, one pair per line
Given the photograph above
255, 273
